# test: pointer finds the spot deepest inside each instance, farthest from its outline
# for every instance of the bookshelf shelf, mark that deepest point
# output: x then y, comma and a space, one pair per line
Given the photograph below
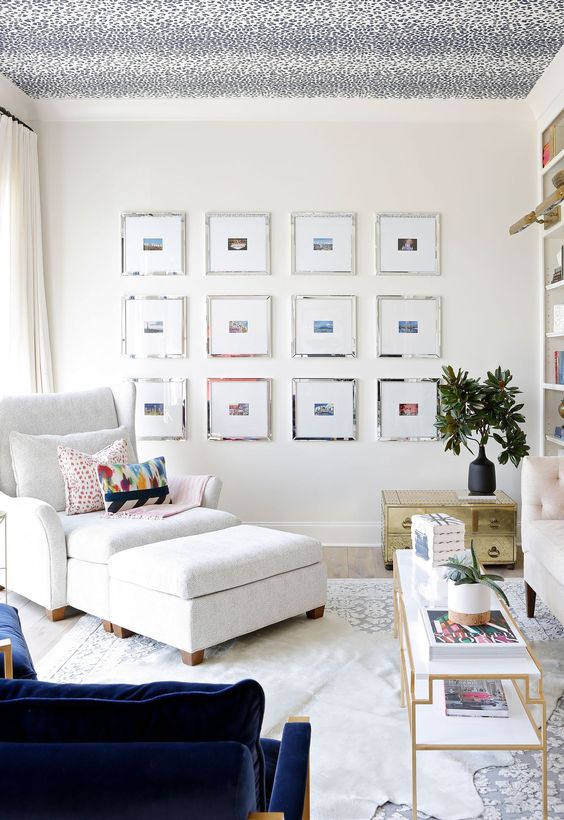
553, 334
554, 161
554, 285
553, 386
554, 440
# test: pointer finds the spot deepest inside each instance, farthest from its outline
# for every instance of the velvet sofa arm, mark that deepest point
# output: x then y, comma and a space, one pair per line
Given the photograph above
290, 790
37, 553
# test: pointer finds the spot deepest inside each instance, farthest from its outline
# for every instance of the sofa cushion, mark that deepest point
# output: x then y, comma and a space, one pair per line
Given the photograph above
36, 466
92, 537
10, 627
545, 540
203, 564
33, 711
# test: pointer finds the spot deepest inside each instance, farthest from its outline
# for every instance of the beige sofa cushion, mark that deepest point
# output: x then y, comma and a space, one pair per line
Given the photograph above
545, 540
203, 564
92, 537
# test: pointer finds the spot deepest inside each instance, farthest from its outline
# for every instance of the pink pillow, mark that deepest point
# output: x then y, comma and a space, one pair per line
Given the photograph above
82, 488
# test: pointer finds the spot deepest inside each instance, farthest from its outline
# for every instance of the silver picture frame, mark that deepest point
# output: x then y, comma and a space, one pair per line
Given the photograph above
149, 259
302, 422
215, 255
241, 346
304, 343
391, 430
172, 348
325, 223
426, 259
146, 423
422, 329
220, 429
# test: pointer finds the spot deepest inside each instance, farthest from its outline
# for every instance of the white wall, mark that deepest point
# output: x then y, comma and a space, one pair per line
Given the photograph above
480, 175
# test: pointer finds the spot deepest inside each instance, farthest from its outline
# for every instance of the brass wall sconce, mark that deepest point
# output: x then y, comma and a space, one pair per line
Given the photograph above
549, 208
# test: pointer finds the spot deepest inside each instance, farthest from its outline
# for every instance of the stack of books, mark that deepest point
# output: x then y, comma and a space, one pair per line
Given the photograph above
475, 698
559, 366
447, 639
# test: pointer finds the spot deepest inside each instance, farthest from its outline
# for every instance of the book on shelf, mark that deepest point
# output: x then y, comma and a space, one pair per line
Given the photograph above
475, 698
559, 366
447, 639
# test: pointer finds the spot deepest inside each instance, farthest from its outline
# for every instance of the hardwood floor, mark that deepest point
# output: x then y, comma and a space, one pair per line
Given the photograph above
342, 562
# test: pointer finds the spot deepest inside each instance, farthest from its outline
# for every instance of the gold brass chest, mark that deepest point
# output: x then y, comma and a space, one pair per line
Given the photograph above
492, 525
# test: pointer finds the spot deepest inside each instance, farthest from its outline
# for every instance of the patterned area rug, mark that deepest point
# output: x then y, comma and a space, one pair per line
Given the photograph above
508, 792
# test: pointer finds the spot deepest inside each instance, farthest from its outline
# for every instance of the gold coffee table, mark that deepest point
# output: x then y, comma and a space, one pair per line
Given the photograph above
422, 687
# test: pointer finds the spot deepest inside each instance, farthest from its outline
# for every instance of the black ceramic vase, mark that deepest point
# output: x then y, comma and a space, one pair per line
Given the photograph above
481, 474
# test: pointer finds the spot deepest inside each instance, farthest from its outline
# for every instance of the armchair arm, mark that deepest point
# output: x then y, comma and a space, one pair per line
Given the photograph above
212, 492
290, 790
37, 553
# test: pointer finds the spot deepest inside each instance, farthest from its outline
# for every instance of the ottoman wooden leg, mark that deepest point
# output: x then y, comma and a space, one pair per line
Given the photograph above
531, 596
315, 613
56, 614
108, 626
192, 658
122, 632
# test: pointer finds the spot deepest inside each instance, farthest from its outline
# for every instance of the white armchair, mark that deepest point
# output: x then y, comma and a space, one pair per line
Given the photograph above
55, 559
542, 532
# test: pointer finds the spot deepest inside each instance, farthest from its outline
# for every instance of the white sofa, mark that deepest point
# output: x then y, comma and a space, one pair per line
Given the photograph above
542, 532
55, 559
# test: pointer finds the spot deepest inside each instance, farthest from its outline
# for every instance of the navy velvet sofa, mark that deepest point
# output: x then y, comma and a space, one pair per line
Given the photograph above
158, 750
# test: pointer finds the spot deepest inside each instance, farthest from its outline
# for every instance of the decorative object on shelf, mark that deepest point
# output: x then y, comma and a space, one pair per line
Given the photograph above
553, 140
154, 327
409, 326
558, 321
324, 409
436, 537
160, 409
238, 243
152, 244
407, 409
561, 408
469, 590
239, 326
558, 432
408, 243
556, 276
239, 409
559, 367
324, 326
549, 208
486, 408
323, 243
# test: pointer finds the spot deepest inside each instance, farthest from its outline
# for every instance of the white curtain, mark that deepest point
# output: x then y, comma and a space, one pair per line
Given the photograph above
25, 353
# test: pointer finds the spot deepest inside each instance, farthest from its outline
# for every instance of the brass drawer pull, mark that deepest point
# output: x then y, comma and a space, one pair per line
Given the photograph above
406, 523
494, 552
494, 523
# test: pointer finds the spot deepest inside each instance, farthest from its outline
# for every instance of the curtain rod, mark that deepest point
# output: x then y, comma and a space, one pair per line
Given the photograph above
17, 119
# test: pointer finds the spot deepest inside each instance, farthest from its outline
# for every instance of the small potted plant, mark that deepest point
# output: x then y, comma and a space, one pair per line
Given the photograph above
469, 591
473, 410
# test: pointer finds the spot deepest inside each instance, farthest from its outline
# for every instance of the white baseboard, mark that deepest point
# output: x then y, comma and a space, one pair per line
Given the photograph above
337, 534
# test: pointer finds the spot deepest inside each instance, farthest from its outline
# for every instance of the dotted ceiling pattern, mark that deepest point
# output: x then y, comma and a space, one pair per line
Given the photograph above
279, 48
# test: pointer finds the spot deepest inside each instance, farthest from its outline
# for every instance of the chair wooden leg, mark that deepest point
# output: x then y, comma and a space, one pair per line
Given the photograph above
56, 614
192, 658
315, 613
108, 626
531, 597
122, 632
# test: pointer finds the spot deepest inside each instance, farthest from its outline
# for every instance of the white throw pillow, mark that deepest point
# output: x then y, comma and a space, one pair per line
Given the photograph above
82, 488
36, 466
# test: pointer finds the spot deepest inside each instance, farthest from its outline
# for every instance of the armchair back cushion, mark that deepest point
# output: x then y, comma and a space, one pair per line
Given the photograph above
36, 466
542, 488
58, 414
164, 712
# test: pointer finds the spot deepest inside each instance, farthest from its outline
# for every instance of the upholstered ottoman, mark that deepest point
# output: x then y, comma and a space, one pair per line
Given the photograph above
200, 590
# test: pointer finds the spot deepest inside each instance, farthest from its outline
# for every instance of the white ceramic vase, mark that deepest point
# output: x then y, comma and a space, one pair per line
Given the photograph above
469, 604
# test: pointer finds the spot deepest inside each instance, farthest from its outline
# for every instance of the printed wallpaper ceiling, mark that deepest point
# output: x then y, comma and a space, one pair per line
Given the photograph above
278, 48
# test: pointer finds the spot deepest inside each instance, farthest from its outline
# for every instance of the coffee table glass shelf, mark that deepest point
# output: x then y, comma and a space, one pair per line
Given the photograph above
422, 685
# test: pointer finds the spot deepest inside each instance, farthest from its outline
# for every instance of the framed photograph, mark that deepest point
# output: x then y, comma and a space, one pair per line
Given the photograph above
239, 409
154, 327
324, 409
238, 243
408, 243
160, 409
239, 325
409, 326
323, 243
324, 325
153, 244
407, 409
